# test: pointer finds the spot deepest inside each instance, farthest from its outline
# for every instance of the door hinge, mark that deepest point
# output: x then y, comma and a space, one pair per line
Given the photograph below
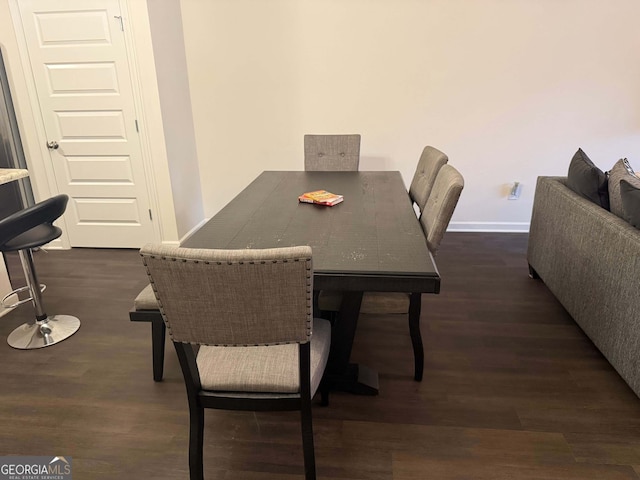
137, 129
150, 216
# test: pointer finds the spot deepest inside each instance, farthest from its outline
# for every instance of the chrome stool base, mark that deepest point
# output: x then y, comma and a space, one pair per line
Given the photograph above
43, 333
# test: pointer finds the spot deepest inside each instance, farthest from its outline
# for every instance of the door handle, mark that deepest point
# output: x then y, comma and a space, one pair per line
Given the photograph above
53, 145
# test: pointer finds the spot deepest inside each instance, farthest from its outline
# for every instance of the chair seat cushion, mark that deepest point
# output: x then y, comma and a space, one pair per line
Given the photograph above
146, 300
272, 368
372, 302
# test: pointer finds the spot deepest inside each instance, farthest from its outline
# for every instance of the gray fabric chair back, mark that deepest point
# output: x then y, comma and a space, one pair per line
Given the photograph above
233, 297
440, 205
428, 167
328, 153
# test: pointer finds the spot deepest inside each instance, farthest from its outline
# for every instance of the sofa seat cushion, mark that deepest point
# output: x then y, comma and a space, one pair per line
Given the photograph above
587, 180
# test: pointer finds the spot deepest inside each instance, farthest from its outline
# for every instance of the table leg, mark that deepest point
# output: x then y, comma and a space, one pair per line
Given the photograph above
342, 375
416, 337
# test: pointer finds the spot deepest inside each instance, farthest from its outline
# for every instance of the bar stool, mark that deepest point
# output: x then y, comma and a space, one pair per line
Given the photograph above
24, 230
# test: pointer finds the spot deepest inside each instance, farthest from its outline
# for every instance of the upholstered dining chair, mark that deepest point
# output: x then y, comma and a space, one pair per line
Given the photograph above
440, 205
428, 167
434, 220
326, 153
250, 313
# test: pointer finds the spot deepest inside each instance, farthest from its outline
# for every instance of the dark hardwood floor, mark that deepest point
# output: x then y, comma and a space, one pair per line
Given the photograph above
512, 388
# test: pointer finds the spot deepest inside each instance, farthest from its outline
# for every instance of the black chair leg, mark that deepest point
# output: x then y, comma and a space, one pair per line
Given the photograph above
307, 441
158, 330
416, 337
196, 440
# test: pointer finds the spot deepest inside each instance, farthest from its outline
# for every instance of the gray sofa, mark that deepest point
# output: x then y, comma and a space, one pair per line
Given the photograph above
590, 260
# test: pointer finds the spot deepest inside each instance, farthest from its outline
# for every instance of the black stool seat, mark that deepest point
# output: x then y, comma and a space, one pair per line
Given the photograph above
33, 226
22, 231
36, 237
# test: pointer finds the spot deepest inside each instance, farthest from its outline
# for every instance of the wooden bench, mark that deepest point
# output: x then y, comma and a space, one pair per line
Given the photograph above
145, 309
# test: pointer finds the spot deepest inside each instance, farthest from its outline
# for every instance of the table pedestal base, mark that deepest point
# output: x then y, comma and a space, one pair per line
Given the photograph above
357, 379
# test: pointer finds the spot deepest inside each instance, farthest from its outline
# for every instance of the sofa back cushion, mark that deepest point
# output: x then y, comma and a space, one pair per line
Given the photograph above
630, 197
620, 171
587, 180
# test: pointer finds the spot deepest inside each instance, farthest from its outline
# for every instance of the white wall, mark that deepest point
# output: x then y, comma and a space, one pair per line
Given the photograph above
508, 89
173, 88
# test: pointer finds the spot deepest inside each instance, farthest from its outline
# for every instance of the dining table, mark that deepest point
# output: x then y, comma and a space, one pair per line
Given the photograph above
370, 242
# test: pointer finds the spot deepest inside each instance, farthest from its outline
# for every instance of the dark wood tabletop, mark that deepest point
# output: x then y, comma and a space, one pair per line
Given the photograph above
370, 242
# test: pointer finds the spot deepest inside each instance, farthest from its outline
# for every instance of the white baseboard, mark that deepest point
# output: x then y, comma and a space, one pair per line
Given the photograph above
58, 245
506, 227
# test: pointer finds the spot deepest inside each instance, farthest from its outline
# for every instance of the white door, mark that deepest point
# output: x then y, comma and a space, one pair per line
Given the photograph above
79, 62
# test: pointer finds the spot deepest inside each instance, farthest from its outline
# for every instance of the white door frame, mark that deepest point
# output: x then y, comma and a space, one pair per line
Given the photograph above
147, 106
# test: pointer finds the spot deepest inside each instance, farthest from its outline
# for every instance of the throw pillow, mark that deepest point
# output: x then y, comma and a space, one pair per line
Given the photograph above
621, 170
587, 180
630, 195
